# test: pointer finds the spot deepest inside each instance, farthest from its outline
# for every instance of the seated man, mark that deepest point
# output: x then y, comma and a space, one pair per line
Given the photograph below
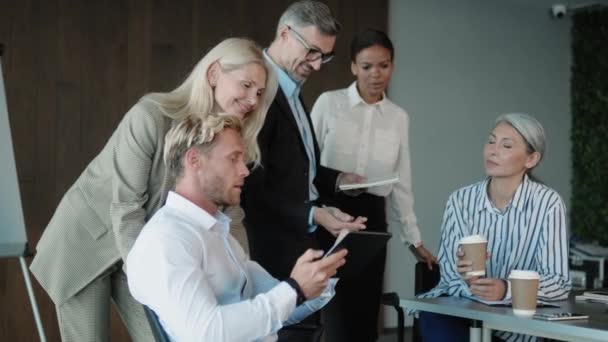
187, 267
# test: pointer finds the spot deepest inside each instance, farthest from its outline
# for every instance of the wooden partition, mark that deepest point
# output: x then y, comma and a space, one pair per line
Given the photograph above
73, 68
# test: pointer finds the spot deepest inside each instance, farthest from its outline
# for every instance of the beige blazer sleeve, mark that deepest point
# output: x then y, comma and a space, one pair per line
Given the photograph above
138, 140
101, 215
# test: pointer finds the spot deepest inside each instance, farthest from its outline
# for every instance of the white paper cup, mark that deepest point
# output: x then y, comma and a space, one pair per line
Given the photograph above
475, 248
524, 291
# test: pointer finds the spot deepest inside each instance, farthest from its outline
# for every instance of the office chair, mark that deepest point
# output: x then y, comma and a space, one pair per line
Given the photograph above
157, 330
301, 332
424, 280
290, 333
392, 299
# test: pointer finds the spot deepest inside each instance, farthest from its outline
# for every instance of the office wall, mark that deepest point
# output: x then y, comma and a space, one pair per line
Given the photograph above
459, 64
73, 68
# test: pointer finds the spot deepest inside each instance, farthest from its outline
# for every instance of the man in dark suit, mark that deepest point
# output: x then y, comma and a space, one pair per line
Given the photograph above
280, 197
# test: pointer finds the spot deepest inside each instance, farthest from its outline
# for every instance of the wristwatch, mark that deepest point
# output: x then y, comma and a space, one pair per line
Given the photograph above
300, 295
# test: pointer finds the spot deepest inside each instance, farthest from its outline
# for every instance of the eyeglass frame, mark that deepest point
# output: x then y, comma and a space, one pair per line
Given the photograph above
325, 57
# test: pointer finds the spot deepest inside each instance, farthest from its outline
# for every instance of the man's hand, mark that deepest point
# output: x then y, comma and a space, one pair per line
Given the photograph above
489, 288
422, 254
334, 220
312, 273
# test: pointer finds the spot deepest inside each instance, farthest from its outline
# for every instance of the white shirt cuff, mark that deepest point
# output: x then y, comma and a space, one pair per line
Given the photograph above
508, 294
311, 224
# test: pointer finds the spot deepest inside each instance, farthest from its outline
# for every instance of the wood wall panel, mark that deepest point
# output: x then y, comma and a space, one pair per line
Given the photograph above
73, 68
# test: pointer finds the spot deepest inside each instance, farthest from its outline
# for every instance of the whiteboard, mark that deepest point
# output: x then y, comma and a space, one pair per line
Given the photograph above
12, 225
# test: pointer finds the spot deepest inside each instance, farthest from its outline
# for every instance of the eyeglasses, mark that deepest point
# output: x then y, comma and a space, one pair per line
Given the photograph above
313, 54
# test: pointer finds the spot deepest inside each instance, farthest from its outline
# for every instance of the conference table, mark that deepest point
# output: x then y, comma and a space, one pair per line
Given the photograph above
489, 318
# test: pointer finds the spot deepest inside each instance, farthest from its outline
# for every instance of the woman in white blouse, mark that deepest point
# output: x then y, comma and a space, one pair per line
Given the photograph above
360, 130
523, 220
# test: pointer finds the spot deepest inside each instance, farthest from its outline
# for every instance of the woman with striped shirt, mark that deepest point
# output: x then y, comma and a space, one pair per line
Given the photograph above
523, 220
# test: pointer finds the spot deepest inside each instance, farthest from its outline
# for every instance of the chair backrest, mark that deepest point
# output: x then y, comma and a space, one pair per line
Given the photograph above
425, 279
301, 333
157, 330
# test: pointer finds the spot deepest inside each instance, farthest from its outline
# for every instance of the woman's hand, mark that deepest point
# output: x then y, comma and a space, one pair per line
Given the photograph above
489, 288
422, 254
465, 266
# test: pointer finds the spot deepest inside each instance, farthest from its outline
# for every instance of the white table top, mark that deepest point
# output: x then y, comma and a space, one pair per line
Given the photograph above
502, 318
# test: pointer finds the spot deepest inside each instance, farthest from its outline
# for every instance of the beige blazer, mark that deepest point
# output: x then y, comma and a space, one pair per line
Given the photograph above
101, 215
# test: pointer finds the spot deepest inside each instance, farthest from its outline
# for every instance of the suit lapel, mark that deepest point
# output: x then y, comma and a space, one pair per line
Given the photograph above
281, 101
312, 132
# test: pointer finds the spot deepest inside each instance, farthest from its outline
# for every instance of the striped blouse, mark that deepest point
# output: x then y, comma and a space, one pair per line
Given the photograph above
530, 234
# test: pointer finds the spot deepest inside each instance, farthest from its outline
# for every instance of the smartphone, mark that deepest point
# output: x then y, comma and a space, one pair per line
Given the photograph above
596, 293
560, 316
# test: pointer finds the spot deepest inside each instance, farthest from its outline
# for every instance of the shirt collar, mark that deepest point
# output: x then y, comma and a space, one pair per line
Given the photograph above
290, 87
483, 200
354, 98
521, 195
197, 215
518, 201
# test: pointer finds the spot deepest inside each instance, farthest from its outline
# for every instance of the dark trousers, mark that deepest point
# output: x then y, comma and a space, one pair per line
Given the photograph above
440, 328
352, 315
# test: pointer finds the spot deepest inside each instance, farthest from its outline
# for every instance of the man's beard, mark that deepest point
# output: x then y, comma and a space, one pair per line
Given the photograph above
215, 192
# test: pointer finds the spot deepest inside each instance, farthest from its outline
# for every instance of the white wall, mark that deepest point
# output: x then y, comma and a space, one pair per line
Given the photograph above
459, 64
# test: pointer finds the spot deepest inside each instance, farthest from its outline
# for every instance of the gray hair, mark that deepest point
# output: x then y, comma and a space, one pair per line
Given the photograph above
529, 128
307, 13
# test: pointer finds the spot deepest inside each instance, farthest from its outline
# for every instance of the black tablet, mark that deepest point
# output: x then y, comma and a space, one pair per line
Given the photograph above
362, 246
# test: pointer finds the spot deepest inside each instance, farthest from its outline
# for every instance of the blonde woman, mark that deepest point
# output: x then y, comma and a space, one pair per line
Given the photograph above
80, 256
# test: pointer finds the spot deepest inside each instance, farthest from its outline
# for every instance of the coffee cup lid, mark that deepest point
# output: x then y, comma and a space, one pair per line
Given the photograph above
473, 239
523, 274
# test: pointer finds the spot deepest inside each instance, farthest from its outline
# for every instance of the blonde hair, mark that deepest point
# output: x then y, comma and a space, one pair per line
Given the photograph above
197, 131
195, 95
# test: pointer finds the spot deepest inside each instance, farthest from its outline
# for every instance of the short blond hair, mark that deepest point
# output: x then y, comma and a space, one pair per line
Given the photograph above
197, 131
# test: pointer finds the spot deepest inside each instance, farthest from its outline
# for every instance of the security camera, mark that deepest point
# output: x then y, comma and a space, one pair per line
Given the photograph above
558, 11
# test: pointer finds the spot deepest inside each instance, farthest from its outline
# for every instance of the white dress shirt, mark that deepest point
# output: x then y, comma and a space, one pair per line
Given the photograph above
195, 276
370, 140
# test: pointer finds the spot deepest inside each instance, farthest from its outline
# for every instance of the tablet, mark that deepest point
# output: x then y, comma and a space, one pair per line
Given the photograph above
368, 184
362, 246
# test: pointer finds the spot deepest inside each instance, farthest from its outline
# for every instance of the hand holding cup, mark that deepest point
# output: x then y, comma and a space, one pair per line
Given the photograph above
472, 255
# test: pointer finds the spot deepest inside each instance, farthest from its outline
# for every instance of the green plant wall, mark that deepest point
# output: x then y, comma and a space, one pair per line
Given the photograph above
589, 87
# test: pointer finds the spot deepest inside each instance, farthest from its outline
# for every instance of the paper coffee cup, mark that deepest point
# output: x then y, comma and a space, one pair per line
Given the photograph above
475, 248
524, 290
